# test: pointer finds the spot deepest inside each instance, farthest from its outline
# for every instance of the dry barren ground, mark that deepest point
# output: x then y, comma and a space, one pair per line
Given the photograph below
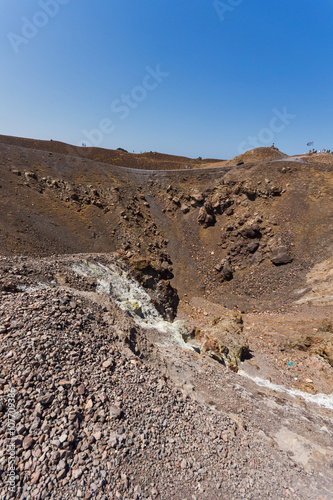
106, 409
101, 406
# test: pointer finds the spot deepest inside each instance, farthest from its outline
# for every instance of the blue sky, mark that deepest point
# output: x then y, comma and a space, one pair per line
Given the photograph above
188, 77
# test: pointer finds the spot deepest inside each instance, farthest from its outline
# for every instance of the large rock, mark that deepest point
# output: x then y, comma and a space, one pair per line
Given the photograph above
197, 197
225, 269
225, 340
280, 256
206, 215
253, 246
227, 273
155, 278
249, 189
166, 300
250, 232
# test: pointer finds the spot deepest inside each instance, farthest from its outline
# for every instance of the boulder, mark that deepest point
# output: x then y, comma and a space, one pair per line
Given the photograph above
155, 278
166, 299
253, 246
206, 215
216, 201
236, 248
225, 268
208, 207
197, 197
227, 271
225, 340
280, 256
275, 190
250, 190
185, 208
248, 232
251, 231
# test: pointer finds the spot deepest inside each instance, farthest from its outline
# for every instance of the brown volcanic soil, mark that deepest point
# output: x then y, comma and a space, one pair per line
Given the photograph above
258, 154
148, 160
53, 203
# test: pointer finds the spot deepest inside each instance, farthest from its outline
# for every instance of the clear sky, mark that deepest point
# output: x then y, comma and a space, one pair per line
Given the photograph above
187, 77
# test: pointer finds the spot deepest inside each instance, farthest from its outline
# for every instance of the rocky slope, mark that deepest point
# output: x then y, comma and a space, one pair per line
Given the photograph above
114, 404
95, 417
224, 229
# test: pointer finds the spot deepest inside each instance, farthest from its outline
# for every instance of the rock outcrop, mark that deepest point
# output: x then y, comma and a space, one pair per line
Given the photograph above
155, 278
225, 340
320, 343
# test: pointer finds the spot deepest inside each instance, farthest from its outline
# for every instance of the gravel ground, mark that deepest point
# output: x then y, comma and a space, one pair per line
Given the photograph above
84, 417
